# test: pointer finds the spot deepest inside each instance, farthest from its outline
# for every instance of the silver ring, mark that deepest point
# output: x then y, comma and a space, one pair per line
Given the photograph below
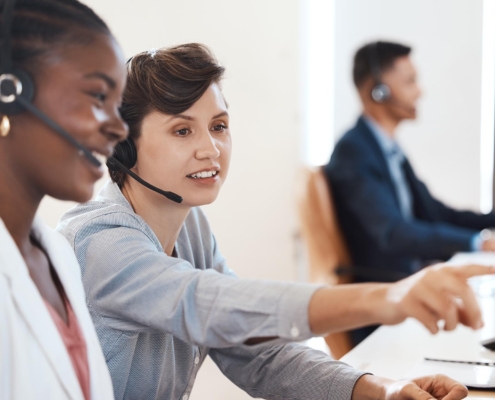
17, 84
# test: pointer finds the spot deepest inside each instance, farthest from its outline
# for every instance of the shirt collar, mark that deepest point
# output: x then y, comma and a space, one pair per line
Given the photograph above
111, 193
388, 145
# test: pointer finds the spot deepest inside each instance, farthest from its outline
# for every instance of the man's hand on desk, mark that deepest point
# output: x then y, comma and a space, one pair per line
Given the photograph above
436, 293
370, 387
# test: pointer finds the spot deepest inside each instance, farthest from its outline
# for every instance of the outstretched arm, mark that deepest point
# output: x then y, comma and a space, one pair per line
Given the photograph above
296, 372
434, 294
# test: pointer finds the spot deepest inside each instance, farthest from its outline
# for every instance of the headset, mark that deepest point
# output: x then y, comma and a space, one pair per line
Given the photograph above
381, 92
124, 158
17, 86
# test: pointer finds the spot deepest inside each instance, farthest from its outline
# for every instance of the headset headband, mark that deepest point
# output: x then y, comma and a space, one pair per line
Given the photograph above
376, 71
6, 49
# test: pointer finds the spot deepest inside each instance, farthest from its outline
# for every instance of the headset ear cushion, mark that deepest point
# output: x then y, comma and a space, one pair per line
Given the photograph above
126, 153
381, 93
27, 92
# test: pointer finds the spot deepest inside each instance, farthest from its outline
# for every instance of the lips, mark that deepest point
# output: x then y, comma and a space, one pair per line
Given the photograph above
100, 157
101, 153
203, 174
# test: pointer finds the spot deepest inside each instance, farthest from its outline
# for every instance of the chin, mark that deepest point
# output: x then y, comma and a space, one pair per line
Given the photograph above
79, 193
407, 116
198, 201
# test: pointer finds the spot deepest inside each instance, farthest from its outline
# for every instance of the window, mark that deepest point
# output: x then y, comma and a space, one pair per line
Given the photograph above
317, 45
487, 107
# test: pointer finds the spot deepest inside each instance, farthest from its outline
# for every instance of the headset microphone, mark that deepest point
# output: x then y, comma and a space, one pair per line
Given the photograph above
17, 87
124, 158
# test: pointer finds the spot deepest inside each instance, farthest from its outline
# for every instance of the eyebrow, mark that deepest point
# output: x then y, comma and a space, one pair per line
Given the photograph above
188, 118
222, 114
100, 75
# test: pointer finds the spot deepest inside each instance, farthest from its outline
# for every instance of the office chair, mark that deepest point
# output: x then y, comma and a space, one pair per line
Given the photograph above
325, 246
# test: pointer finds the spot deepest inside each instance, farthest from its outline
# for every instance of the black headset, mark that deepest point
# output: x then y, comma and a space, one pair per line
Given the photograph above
381, 92
124, 158
17, 86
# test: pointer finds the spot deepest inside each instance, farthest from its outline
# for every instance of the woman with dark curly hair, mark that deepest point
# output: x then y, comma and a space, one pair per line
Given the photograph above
48, 345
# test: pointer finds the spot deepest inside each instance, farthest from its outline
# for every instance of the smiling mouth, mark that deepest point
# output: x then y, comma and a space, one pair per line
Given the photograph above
100, 157
203, 174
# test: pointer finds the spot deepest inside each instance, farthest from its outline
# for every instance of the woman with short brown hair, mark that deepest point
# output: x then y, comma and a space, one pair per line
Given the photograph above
160, 292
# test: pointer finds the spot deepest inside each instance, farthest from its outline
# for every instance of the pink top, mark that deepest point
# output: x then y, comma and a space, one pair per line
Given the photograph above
74, 342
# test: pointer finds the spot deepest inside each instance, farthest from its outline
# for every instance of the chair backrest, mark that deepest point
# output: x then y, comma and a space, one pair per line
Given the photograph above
320, 230
325, 245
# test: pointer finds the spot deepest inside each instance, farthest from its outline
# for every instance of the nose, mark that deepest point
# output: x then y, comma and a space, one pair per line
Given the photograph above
207, 148
117, 128
419, 92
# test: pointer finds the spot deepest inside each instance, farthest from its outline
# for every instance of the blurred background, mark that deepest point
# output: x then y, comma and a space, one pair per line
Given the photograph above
290, 93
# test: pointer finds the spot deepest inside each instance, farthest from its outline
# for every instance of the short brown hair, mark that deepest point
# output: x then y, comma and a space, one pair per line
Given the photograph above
168, 80
385, 54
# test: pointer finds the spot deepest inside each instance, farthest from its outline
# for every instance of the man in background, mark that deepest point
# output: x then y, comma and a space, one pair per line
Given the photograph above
393, 226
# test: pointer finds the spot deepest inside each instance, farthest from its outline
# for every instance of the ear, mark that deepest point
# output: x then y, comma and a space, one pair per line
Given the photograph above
364, 90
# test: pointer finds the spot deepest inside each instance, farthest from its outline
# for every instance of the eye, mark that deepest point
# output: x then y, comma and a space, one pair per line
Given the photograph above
182, 132
220, 127
100, 96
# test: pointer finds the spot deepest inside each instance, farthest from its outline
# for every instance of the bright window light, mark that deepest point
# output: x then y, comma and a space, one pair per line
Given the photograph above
487, 105
317, 48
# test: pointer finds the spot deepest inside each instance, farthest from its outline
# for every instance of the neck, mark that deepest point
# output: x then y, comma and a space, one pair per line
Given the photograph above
163, 215
19, 202
381, 115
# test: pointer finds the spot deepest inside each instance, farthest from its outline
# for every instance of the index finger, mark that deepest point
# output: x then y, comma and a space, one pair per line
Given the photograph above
442, 387
470, 270
457, 392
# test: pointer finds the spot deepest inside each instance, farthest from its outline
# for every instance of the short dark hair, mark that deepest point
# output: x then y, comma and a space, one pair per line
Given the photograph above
40, 25
384, 52
168, 80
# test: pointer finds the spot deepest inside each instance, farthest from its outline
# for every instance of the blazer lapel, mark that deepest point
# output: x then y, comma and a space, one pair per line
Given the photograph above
65, 263
35, 314
377, 154
422, 206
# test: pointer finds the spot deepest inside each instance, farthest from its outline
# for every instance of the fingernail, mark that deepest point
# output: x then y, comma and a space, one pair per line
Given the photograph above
480, 324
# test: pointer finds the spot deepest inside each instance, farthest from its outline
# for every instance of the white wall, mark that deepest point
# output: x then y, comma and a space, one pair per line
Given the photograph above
444, 143
257, 42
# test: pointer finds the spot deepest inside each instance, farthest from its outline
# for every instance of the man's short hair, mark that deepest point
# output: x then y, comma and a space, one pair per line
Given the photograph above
384, 52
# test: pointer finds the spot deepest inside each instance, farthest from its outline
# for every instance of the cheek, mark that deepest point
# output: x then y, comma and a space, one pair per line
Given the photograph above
75, 114
160, 163
226, 152
82, 123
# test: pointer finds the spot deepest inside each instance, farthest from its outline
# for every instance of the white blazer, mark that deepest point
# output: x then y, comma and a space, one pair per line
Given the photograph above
34, 363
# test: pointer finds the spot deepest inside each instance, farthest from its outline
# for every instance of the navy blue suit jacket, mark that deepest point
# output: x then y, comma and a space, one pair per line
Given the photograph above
383, 244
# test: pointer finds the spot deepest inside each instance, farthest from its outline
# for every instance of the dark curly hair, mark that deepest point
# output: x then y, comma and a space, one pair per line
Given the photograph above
38, 26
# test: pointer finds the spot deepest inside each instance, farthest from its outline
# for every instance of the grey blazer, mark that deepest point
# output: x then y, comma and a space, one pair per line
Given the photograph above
158, 317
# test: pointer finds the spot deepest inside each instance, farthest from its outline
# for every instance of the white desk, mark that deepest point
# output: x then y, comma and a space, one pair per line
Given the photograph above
392, 351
